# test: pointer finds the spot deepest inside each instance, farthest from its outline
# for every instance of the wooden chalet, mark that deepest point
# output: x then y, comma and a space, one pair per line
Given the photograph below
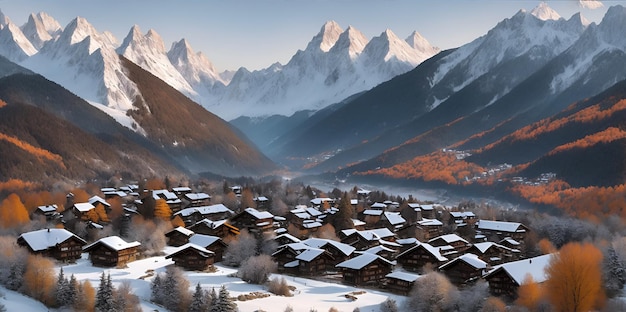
97, 200
457, 242
313, 261
170, 198
400, 282
322, 203
49, 212
192, 257
464, 269
372, 217
428, 211
213, 243
262, 202
178, 236
494, 253
392, 220
365, 269
285, 257
463, 217
383, 251
415, 258
253, 220
428, 228
339, 251
219, 228
197, 199
192, 215
180, 191
306, 219
60, 244
112, 251
286, 238
362, 240
498, 230
505, 278
81, 210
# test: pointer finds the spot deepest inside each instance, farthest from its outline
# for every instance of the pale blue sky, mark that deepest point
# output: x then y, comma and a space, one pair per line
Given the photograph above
257, 33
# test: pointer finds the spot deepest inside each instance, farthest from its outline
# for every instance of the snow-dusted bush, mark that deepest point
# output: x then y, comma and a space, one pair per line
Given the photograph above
432, 292
257, 269
279, 287
240, 249
389, 305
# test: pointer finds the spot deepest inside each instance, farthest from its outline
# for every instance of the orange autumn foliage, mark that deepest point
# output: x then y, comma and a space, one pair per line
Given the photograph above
162, 210
583, 202
437, 166
546, 246
590, 114
529, 294
36, 151
574, 275
13, 213
14, 185
178, 221
3, 103
608, 135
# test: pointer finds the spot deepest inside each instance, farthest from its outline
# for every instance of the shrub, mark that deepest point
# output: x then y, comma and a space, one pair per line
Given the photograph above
279, 287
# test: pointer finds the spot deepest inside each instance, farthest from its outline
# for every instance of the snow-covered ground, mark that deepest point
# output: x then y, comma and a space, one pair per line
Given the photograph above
309, 294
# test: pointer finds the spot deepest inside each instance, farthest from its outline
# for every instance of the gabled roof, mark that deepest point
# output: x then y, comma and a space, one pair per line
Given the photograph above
201, 250
362, 261
318, 201
484, 246
210, 224
501, 226
517, 270
259, 214
430, 222
94, 200
197, 196
204, 210
83, 207
358, 222
407, 241
378, 206
510, 241
163, 194
203, 240
181, 189
113, 242
449, 238
180, 230
47, 208
427, 247
289, 237
373, 212
462, 214
373, 234
321, 242
309, 254
394, 218
378, 249
46, 238
403, 276
468, 258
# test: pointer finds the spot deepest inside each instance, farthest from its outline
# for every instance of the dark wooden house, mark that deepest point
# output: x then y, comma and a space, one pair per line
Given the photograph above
253, 220
192, 257
457, 242
219, 228
498, 230
60, 244
192, 215
464, 269
314, 261
112, 251
178, 236
49, 212
339, 251
494, 253
415, 258
81, 210
362, 240
285, 257
212, 243
505, 279
365, 269
400, 282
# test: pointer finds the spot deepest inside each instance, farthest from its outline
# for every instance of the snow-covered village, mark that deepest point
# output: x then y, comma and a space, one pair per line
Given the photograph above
283, 246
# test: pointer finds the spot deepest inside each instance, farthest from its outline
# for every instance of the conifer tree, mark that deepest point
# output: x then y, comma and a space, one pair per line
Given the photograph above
224, 302
104, 296
199, 301
62, 290
155, 288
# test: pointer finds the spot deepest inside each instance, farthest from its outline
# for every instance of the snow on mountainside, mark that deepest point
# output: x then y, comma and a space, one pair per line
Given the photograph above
194, 67
13, 44
544, 12
334, 65
41, 28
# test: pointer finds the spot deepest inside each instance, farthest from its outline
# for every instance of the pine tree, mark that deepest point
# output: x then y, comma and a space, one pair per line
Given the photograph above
72, 290
198, 301
214, 299
104, 296
156, 291
62, 290
224, 302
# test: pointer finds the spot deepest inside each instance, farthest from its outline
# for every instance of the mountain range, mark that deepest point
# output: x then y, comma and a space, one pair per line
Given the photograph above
346, 106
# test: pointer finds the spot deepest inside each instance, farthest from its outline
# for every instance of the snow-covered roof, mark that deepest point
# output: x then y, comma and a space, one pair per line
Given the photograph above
429, 248
97, 199
181, 189
470, 259
83, 207
510, 241
302, 215
462, 214
259, 214
318, 201
361, 261
373, 234
407, 241
311, 225
292, 264
358, 222
289, 237
427, 207
114, 242
163, 194
261, 198
378, 206
197, 196
204, 210
484, 246
321, 242
107, 189
449, 238
115, 193
280, 230
430, 222
181, 230
46, 238
200, 249
403, 276
310, 254
47, 208
211, 224
517, 270
373, 212
354, 201
203, 240
502, 226
378, 249
394, 218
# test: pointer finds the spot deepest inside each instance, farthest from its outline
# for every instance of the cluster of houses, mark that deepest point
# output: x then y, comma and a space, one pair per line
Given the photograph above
385, 248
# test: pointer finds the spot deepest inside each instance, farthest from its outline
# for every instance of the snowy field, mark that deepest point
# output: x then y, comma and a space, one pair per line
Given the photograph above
309, 294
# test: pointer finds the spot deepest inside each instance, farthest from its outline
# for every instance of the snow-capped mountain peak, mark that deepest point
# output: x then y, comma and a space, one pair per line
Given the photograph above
544, 12
195, 67
41, 28
4, 20
326, 38
421, 45
13, 44
351, 41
